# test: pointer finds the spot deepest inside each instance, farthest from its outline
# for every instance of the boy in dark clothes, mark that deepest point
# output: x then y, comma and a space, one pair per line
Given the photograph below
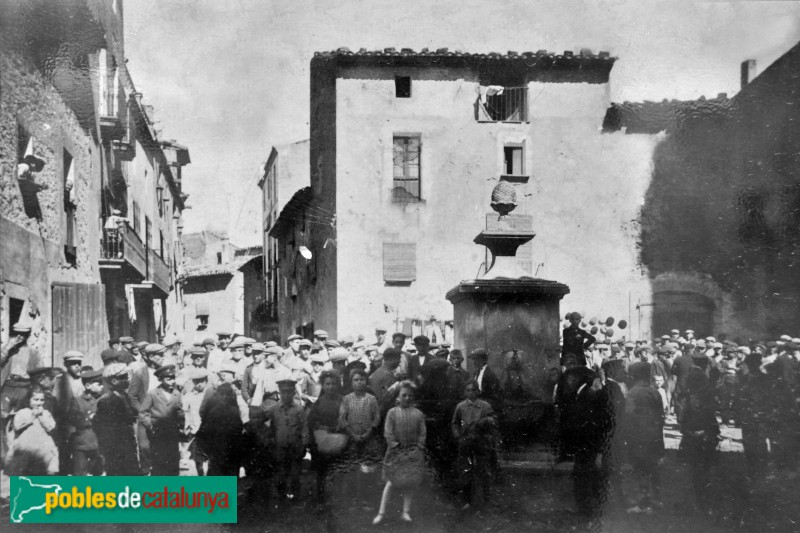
86, 457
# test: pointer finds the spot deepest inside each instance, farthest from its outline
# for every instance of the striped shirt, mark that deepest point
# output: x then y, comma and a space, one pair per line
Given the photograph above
358, 414
405, 426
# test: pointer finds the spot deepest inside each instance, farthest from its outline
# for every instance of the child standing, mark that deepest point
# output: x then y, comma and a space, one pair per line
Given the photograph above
360, 416
83, 441
290, 432
473, 427
33, 451
404, 463
197, 379
162, 414
644, 417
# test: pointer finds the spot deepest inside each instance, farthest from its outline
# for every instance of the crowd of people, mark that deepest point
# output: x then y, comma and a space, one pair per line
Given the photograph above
394, 408
613, 397
234, 406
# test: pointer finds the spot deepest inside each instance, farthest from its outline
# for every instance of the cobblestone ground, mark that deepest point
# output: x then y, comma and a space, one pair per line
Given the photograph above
538, 500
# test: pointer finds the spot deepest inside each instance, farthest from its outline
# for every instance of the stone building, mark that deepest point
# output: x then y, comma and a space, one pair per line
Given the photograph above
67, 100
223, 288
405, 149
286, 171
720, 235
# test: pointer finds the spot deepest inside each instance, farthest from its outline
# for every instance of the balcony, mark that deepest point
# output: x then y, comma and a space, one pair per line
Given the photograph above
158, 273
122, 247
502, 104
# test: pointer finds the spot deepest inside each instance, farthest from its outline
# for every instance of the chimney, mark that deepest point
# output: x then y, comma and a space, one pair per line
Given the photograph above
748, 71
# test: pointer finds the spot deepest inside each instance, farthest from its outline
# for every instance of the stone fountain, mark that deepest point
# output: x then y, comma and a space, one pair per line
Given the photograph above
507, 311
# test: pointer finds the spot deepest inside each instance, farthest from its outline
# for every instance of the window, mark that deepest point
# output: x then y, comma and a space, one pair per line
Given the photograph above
399, 263
15, 308
161, 244
70, 210
137, 218
160, 200
109, 84
513, 160
406, 163
502, 104
219, 258
202, 312
402, 86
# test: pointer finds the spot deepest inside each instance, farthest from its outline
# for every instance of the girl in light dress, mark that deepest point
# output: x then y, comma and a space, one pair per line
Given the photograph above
33, 451
404, 463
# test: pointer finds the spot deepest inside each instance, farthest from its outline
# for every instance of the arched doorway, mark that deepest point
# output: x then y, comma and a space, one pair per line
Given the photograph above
683, 310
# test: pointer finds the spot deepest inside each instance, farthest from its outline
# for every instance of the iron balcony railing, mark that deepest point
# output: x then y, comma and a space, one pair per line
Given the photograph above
508, 104
123, 245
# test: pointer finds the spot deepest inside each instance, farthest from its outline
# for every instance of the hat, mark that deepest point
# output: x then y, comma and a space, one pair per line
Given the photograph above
442, 352
700, 344
142, 344
223, 334
380, 330
689, 331
332, 344
166, 371
41, 370
630, 344
91, 375
786, 338
665, 337
286, 382
573, 314
305, 342
20, 328
271, 344
34, 162
170, 339
195, 373
675, 331
123, 340
398, 334
479, 353
197, 352
113, 340
236, 343
319, 358
711, 339
421, 339
274, 350
228, 367
74, 356
155, 349
294, 336
259, 348
338, 354
109, 355
346, 340
208, 340
247, 341
359, 344
321, 333
717, 345
115, 370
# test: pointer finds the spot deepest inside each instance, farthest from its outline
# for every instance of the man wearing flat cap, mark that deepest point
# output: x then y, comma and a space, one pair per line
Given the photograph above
83, 446
218, 355
320, 336
293, 351
68, 386
576, 339
161, 414
126, 347
416, 362
14, 379
143, 380
115, 423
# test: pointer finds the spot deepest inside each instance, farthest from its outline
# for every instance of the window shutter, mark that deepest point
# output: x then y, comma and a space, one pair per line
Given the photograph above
202, 309
399, 262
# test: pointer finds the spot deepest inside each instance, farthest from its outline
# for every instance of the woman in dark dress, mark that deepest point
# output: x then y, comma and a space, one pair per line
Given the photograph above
323, 417
220, 433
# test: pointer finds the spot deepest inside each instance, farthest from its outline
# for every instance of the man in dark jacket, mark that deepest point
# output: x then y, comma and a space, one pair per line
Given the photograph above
576, 340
